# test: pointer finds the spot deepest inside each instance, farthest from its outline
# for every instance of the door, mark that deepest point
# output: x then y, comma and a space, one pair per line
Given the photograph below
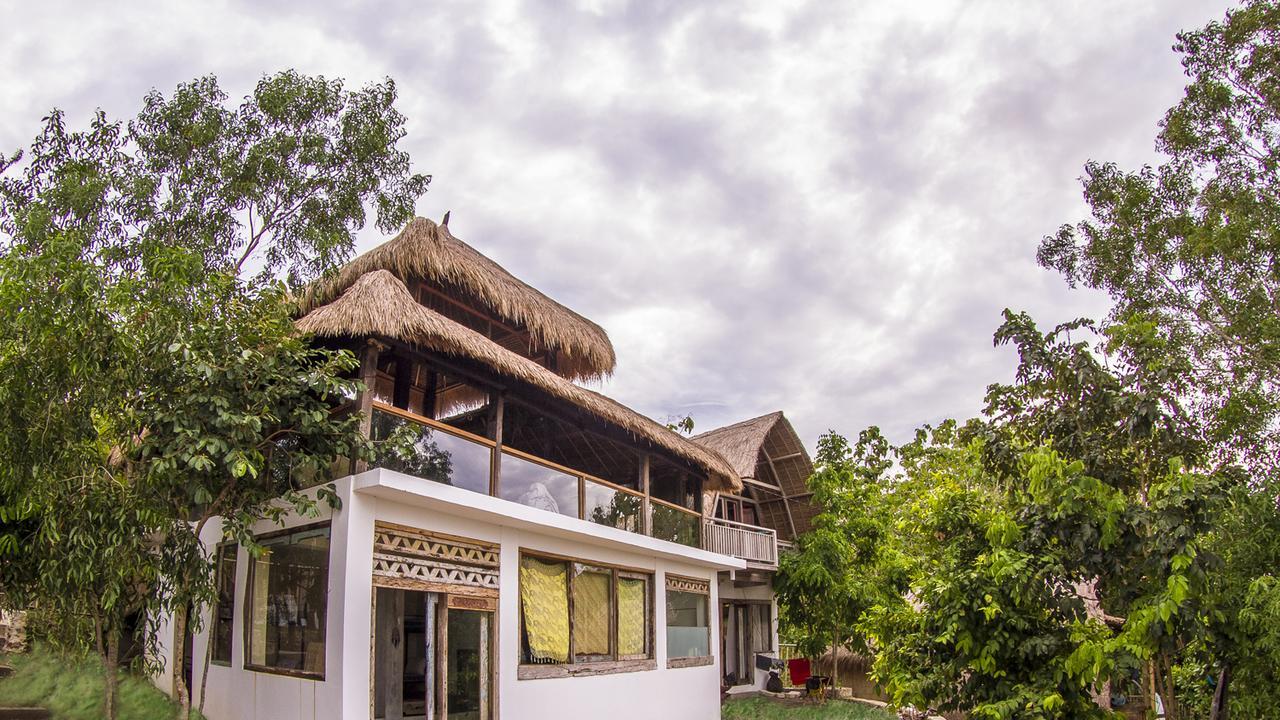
742, 634
402, 653
466, 668
736, 654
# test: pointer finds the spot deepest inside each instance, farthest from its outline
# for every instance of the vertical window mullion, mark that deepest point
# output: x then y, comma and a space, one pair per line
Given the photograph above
573, 650
613, 619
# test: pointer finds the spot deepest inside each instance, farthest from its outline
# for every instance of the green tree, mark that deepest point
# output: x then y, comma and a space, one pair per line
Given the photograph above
150, 375
844, 565
1189, 251
1054, 548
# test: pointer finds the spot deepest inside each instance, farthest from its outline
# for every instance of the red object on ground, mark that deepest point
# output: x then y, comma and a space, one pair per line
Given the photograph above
799, 669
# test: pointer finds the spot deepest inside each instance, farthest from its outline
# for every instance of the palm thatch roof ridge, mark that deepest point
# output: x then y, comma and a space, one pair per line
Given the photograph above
740, 442
378, 303
425, 250
768, 450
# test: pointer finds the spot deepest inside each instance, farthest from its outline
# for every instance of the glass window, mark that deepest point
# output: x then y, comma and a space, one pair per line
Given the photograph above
429, 453
679, 526
224, 604
633, 616
612, 507
688, 632
288, 591
544, 610
468, 665
538, 486
611, 616
592, 610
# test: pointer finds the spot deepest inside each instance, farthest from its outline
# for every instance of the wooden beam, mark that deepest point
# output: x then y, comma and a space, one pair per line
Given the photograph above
791, 521
763, 485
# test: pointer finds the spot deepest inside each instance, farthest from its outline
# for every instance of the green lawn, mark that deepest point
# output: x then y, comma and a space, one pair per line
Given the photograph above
759, 708
72, 688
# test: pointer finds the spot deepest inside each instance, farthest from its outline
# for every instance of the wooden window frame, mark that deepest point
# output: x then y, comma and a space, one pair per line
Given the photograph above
213, 624
248, 605
600, 665
691, 586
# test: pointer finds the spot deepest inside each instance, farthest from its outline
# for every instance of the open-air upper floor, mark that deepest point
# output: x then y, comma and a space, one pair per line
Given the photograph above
470, 376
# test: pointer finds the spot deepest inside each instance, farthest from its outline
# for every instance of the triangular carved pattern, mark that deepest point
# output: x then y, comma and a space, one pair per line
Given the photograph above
681, 584
398, 543
437, 560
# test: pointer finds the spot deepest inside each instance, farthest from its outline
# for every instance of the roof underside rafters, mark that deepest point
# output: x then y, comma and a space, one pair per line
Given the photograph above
378, 304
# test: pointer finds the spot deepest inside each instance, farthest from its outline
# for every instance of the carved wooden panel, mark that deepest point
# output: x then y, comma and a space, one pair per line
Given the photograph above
404, 557
678, 583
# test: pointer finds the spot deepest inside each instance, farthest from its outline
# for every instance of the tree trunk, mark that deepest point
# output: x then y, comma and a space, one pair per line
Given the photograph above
204, 672
1163, 668
835, 663
112, 675
180, 695
1218, 711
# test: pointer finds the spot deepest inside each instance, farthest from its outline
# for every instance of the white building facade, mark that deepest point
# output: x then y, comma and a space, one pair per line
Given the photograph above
521, 548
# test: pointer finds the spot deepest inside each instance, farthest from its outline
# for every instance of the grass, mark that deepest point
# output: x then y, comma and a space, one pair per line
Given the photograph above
71, 688
759, 708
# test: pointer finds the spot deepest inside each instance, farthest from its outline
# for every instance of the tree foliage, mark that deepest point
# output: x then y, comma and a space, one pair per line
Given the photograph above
843, 566
1189, 251
150, 375
1111, 519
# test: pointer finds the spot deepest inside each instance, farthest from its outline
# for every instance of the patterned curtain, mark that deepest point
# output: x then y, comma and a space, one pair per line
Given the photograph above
631, 616
544, 602
591, 611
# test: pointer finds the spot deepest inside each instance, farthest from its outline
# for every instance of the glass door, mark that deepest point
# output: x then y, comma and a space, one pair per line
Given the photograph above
468, 664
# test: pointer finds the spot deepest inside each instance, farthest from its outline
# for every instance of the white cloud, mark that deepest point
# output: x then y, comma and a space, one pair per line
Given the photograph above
820, 207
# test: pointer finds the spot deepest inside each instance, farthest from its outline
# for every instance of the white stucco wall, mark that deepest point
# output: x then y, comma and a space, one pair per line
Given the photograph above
233, 692
672, 694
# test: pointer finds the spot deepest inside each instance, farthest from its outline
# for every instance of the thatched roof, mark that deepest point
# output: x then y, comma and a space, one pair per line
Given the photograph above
379, 304
427, 251
768, 450
740, 442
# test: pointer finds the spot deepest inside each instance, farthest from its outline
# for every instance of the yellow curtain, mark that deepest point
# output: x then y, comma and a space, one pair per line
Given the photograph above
544, 600
258, 626
631, 616
591, 605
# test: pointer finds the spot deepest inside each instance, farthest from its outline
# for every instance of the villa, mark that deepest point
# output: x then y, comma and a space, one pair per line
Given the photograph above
543, 551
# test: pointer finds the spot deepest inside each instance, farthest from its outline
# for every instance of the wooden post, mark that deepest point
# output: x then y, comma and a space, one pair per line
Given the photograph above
364, 401
442, 655
495, 463
646, 524
433, 657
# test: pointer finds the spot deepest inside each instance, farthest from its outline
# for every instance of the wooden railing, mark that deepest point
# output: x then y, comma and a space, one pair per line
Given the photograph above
748, 542
590, 498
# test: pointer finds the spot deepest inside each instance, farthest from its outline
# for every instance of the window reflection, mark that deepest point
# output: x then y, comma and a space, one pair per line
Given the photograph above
429, 453
538, 486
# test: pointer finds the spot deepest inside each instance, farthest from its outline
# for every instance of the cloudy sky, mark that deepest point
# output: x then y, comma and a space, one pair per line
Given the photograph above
821, 207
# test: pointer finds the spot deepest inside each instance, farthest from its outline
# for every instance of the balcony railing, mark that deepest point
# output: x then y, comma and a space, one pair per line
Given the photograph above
435, 451
748, 542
